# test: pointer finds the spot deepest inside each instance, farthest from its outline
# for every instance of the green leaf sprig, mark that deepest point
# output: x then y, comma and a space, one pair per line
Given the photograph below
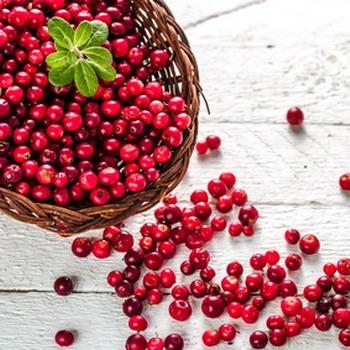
79, 56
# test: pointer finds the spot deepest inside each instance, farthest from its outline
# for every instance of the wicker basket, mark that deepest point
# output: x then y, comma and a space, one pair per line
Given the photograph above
159, 29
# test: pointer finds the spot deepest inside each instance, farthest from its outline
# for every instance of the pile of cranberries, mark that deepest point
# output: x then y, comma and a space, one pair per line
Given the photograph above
61, 147
146, 281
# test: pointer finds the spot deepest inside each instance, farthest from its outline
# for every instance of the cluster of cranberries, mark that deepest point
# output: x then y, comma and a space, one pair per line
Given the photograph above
192, 226
145, 280
59, 146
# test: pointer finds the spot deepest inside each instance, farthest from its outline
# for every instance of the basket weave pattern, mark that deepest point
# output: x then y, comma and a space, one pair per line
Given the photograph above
159, 29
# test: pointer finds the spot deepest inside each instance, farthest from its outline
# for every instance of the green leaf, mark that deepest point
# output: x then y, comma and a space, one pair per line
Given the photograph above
105, 72
61, 59
99, 55
85, 79
83, 33
99, 35
61, 31
62, 76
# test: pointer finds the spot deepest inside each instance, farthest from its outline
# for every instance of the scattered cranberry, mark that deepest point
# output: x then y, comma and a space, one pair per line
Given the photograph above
81, 247
344, 182
295, 116
64, 338
309, 244
63, 286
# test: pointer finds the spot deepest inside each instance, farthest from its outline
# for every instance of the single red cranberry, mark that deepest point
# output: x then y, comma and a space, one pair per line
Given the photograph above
227, 332
213, 141
180, 291
288, 288
138, 323
101, 249
323, 305
173, 342
248, 215
269, 290
212, 306
239, 197
132, 307
275, 322
292, 236
136, 342
234, 309
344, 337
114, 277
235, 229
64, 338
250, 314
218, 223
323, 322
155, 344
272, 257
198, 288
159, 58
344, 182
202, 147
293, 262
180, 310
258, 340
290, 306
198, 196
341, 285
234, 268
343, 266
211, 337
154, 261
295, 116
309, 244
167, 278
341, 318
313, 293
199, 258
217, 188
63, 286
257, 261
254, 281
339, 301
207, 274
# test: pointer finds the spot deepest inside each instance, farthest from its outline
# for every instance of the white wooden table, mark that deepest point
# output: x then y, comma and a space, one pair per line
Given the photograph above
257, 58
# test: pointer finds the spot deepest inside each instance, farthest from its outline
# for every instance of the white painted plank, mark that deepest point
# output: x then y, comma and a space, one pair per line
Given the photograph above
29, 322
245, 80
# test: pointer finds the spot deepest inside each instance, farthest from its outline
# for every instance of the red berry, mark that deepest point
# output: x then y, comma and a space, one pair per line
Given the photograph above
217, 188
227, 332
295, 116
64, 338
211, 338
101, 249
309, 244
293, 262
313, 293
214, 142
137, 323
212, 306
292, 236
344, 337
258, 340
180, 310
81, 247
290, 306
63, 286
250, 314
344, 182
